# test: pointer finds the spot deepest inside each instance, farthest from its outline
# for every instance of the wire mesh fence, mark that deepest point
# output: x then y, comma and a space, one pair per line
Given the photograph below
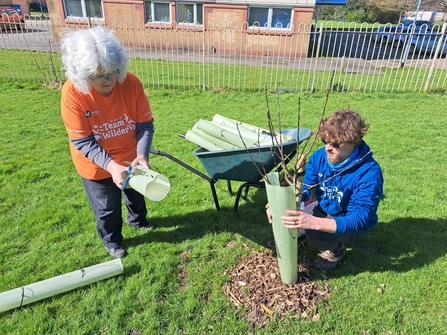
230, 56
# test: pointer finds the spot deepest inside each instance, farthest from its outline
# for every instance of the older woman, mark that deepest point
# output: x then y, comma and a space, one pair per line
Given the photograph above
109, 122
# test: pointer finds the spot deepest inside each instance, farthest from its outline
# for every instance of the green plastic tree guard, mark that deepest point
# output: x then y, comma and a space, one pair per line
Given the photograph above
46, 288
281, 199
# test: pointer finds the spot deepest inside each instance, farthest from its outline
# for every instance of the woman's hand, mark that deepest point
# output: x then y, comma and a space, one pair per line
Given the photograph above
118, 172
140, 160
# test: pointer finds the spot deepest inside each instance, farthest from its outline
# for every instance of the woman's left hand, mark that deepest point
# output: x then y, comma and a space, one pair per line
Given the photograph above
140, 160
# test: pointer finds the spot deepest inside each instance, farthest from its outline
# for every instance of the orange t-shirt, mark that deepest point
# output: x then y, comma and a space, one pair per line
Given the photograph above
111, 120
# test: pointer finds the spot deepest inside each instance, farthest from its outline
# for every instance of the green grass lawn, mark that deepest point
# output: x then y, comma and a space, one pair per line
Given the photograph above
174, 276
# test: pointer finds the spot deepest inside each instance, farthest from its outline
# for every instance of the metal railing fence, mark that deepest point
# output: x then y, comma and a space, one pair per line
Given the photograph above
229, 56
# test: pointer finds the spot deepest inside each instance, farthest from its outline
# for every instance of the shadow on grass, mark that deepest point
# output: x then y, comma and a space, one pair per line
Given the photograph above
400, 245
249, 221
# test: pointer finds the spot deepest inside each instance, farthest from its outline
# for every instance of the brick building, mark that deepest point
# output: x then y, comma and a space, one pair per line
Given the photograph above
236, 26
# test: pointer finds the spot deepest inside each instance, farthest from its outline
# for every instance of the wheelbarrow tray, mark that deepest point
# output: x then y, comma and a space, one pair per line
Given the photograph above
249, 165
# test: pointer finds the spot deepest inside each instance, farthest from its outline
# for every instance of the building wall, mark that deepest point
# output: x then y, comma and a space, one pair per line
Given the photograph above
124, 10
225, 29
300, 3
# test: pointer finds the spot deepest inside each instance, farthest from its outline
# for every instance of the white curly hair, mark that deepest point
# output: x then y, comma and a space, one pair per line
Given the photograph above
84, 51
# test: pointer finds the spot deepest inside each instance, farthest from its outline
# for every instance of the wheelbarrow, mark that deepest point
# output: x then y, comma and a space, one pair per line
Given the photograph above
247, 165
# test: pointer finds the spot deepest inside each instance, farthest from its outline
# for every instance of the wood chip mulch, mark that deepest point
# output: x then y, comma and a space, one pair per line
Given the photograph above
256, 289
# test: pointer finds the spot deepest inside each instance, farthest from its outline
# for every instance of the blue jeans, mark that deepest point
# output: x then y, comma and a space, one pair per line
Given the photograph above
319, 240
105, 201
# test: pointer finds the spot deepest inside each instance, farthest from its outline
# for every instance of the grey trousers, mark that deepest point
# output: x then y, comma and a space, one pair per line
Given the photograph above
105, 200
319, 240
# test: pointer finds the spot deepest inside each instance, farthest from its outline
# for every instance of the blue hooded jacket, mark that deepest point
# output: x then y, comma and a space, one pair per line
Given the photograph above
350, 193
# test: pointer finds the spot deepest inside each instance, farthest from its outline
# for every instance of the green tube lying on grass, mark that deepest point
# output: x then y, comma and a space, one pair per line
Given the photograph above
46, 288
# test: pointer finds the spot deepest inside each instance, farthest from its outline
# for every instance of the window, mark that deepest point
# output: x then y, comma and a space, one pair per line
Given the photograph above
157, 11
270, 18
190, 13
83, 8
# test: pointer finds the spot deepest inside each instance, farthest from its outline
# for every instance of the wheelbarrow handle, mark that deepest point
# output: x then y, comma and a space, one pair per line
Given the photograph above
182, 135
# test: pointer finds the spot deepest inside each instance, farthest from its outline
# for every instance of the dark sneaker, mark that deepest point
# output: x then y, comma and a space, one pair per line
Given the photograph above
117, 252
328, 259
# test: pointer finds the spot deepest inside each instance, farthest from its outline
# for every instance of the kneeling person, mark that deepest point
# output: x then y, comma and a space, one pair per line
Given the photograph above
343, 185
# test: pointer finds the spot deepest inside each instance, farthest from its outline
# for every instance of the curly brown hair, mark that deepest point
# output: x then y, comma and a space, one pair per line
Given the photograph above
343, 126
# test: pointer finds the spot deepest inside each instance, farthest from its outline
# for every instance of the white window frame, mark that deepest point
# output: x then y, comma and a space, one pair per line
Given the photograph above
268, 25
195, 22
153, 4
84, 11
